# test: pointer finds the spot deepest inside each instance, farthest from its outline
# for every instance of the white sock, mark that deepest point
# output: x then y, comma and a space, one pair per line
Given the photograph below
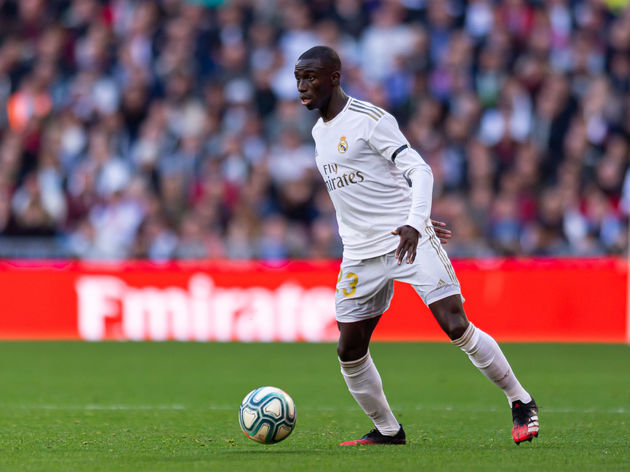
486, 355
366, 386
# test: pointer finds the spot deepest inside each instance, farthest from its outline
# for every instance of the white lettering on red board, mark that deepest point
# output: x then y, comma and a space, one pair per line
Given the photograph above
108, 308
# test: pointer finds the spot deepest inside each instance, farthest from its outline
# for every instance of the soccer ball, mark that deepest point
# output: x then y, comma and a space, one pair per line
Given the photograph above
267, 415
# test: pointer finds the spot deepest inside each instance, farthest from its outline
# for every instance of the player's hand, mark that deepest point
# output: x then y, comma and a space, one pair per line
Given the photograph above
408, 243
441, 232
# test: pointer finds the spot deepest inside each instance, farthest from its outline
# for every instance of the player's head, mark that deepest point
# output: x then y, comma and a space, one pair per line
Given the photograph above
318, 74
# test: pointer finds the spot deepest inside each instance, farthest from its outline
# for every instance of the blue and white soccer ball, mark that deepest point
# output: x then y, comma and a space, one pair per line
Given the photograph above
267, 415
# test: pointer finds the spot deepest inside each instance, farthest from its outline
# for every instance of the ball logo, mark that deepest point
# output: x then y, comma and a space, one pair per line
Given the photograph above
342, 147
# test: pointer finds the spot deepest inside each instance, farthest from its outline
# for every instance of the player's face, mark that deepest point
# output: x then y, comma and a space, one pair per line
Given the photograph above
314, 83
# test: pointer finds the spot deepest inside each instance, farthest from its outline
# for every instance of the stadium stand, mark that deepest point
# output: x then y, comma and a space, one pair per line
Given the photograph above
171, 129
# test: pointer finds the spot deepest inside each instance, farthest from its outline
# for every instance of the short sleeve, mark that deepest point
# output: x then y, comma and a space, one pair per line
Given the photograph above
386, 137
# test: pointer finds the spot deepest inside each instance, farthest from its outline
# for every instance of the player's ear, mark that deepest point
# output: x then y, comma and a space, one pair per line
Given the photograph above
335, 78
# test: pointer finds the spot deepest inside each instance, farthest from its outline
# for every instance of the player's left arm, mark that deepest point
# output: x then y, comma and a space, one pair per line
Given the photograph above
441, 231
392, 144
418, 172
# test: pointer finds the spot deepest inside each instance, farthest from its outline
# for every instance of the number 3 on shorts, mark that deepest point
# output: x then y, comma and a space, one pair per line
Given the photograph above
353, 283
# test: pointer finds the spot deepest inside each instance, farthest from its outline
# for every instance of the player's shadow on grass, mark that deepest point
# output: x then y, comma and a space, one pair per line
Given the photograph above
272, 451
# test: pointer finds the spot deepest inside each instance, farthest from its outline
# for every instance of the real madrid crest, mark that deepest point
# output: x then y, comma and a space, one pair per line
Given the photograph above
342, 147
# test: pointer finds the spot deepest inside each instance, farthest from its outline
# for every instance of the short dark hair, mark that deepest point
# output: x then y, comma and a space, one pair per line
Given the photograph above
327, 55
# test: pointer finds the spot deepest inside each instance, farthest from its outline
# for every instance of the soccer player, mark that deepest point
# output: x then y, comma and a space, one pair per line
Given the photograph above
381, 189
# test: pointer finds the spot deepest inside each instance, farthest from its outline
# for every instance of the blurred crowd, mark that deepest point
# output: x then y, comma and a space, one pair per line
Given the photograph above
171, 129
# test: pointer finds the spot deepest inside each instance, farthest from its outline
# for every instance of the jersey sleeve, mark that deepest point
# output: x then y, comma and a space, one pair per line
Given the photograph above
386, 137
390, 143
419, 173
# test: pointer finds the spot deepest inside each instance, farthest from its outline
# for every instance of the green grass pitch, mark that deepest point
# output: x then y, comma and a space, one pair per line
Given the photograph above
173, 407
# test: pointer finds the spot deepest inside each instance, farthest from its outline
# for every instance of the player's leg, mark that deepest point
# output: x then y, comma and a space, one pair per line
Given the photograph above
363, 294
364, 382
482, 349
433, 277
486, 355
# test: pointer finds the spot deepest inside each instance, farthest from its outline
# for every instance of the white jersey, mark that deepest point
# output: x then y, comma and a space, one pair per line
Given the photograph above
367, 164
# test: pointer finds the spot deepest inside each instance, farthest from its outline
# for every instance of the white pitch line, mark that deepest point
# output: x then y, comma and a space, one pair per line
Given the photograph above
546, 410
114, 407
99, 407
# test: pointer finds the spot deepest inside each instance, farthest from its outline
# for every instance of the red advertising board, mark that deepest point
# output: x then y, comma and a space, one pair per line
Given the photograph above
567, 300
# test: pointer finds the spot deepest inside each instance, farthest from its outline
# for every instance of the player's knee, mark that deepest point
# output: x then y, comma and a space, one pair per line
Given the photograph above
350, 352
457, 326
452, 318
354, 339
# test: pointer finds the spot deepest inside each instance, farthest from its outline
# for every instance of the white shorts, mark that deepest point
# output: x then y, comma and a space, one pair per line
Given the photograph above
365, 287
